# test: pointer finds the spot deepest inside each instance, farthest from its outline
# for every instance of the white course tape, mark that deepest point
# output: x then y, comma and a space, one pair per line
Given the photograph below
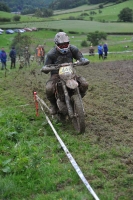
42, 102
73, 162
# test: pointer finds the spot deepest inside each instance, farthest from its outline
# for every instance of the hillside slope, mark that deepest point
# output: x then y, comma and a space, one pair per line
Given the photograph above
18, 5
104, 153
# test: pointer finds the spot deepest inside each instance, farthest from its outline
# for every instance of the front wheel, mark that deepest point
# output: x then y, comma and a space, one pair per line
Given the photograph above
79, 118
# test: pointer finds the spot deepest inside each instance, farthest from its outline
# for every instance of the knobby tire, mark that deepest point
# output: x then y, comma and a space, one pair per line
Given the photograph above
79, 118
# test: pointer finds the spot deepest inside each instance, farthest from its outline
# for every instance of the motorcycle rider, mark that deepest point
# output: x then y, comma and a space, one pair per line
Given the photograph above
63, 52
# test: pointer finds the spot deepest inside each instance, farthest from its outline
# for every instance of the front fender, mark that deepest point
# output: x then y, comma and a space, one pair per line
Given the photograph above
72, 84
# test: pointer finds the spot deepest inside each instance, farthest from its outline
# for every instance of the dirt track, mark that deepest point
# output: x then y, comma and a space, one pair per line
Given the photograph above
108, 102
109, 120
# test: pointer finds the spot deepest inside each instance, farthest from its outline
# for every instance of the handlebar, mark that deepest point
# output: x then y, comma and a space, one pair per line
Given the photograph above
52, 67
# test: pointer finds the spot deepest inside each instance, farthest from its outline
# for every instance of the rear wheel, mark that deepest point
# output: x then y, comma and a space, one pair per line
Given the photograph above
79, 118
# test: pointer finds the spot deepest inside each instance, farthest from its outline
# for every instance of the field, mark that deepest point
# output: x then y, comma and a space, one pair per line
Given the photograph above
108, 13
33, 165
24, 18
76, 25
60, 20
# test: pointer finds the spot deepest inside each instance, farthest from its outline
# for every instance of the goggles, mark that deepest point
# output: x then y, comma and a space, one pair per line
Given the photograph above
63, 45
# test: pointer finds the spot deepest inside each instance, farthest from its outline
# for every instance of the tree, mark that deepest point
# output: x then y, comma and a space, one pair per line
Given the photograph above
4, 7
43, 12
126, 15
101, 6
95, 37
20, 42
84, 43
16, 18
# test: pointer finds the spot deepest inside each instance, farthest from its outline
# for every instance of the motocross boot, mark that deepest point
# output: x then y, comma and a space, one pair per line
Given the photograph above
53, 108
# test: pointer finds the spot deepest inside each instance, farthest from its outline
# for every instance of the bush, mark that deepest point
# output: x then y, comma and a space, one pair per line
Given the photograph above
96, 37
101, 6
84, 14
72, 32
71, 18
84, 43
60, 30
4, 19
16, 18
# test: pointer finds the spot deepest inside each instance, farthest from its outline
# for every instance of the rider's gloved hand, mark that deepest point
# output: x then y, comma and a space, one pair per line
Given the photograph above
84, 61
45, 69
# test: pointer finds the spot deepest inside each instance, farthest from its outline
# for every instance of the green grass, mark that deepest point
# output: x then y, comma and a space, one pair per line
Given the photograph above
116, 43
76, 25
77, 9
109, 12
24, 18
33, 164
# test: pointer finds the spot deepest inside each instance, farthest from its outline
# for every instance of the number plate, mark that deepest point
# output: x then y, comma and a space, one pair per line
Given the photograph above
67, 69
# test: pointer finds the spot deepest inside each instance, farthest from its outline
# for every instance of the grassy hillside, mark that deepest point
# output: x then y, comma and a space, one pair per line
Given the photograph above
109, 13
24, 18
57, 22
77, 9
33, 164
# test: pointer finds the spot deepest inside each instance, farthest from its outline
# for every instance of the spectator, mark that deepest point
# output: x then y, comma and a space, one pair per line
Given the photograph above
12, 55
91, 50
40, 54
3, 57
27, 56
100, 51
105, 50
0, 55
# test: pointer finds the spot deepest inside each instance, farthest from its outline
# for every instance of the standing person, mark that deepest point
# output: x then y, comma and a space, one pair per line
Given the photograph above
36, 52
40, 54
63, 52
3, 57
12, 55
100, 51
0, 55
26, 57
91, 50
105, 50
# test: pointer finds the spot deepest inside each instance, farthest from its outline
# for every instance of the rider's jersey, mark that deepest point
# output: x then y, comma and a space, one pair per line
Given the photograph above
55, 57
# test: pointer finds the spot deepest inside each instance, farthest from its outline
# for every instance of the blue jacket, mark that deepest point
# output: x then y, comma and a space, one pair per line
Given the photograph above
12, 53
100, 49
105, 48
3, 56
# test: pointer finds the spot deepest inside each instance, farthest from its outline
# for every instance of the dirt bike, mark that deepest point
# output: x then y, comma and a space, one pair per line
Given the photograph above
67, 94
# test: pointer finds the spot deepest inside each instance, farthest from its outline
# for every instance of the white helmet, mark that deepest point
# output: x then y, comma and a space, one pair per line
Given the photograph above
62, 42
